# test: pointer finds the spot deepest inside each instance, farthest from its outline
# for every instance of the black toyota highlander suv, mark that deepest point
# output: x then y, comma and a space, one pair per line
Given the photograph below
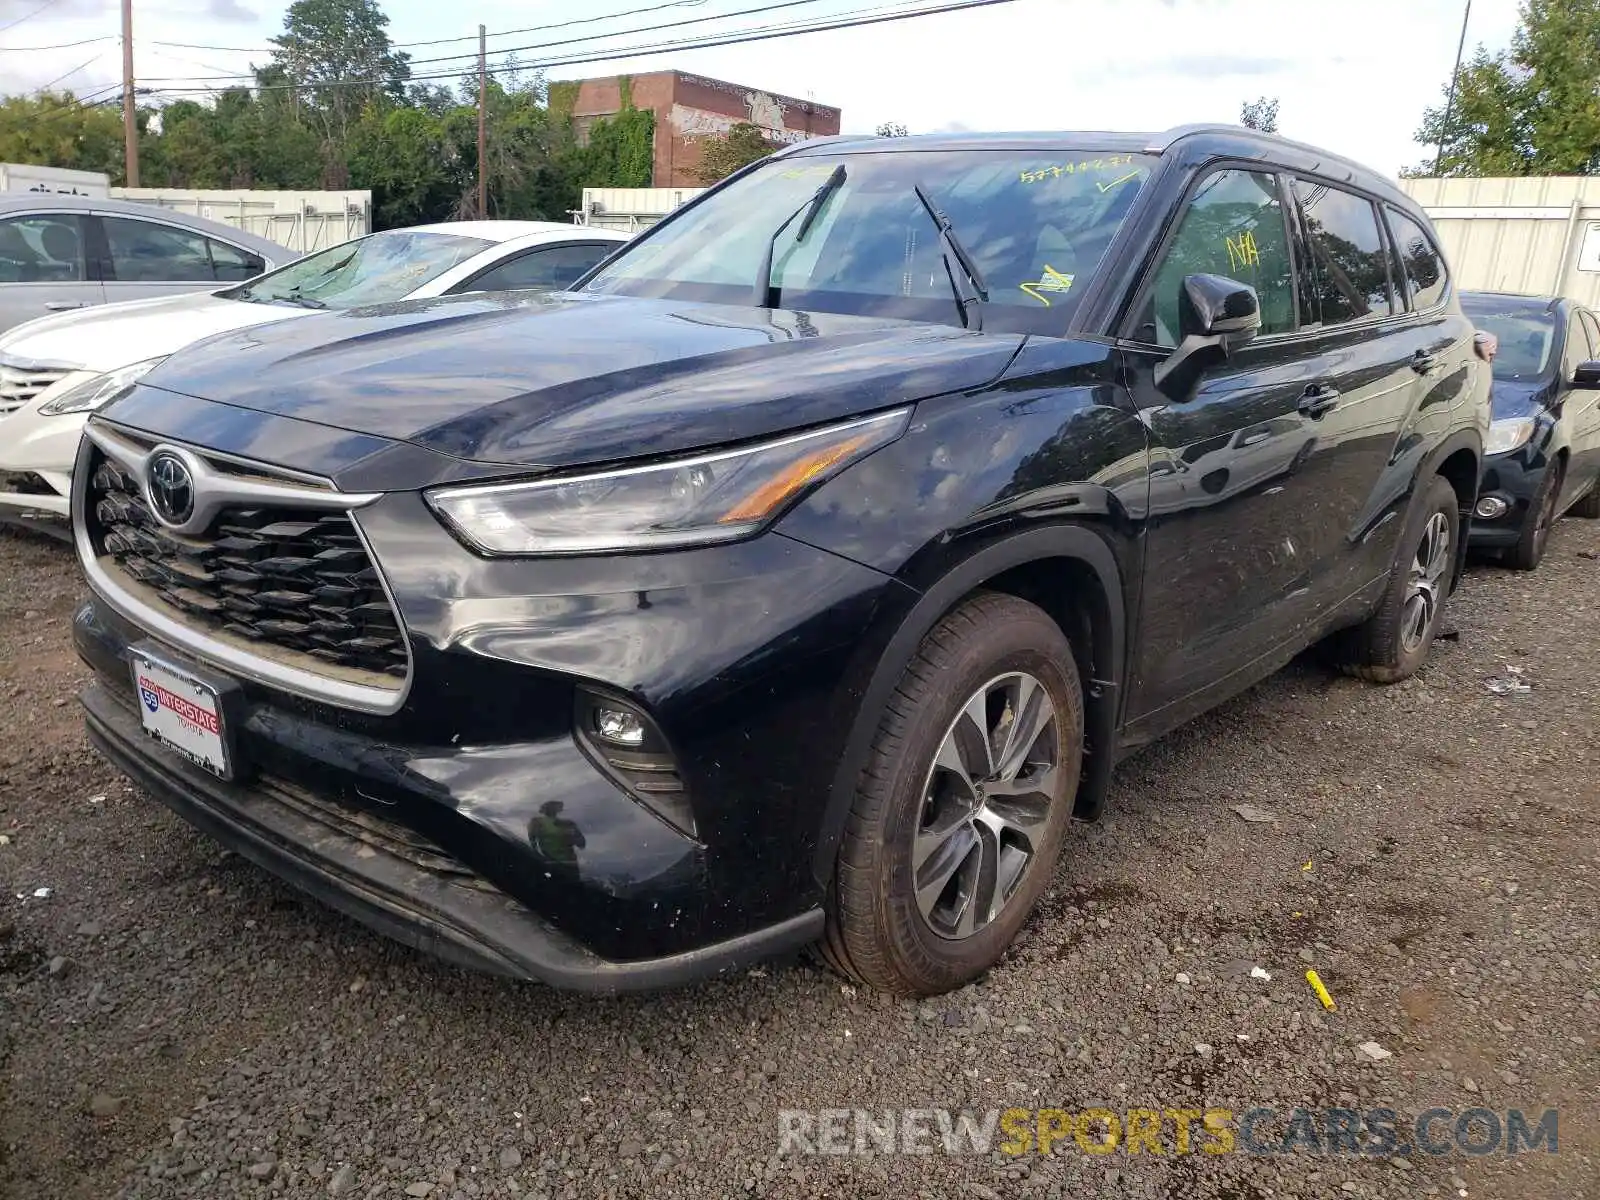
800, 575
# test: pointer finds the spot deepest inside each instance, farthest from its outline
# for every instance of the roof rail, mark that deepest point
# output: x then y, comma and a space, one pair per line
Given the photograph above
1161, 141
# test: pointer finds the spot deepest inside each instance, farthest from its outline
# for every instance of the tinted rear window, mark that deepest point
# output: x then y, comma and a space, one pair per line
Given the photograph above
1349, 268
1420, 261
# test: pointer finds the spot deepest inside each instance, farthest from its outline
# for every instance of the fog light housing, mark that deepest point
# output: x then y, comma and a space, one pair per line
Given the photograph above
1490, 507
629, 748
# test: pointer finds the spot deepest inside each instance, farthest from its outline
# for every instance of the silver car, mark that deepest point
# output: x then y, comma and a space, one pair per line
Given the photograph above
65, 252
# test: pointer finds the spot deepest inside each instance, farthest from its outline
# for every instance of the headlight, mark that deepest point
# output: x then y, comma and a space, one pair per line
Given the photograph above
694, 501
1507, 435
95, 391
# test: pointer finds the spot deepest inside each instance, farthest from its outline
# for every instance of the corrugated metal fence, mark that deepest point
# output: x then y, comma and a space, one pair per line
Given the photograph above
303, 221
630, 208
1540, 236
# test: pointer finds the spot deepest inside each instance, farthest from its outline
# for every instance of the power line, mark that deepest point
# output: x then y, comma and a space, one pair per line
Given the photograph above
471, 37
46, 87
743, 12
632, 12
27, 16
624, 52
107, 95
58, 46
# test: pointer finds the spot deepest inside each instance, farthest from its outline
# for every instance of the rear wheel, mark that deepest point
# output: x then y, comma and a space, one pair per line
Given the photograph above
1536, 526
1394, 642
960, 815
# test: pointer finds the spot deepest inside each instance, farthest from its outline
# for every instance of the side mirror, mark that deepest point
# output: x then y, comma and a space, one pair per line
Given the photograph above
1587, 375
1216, 306
1214, 312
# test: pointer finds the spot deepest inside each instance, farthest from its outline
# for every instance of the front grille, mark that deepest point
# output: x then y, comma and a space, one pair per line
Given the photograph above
19, 385
298, 580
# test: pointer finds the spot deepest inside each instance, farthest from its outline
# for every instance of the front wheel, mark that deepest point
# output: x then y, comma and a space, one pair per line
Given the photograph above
961, 812
1529, 550
1391, 645
1589, 507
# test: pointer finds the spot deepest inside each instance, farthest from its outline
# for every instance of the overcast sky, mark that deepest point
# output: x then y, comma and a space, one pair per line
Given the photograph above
1352, 75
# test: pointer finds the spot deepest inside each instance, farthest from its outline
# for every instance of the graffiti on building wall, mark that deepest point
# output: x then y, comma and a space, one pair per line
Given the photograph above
733, 89
764, 111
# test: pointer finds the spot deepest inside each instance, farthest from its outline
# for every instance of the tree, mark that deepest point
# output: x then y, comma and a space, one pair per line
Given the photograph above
892, 129
1260, 114
402, 154
414, 145
53, 129
723, 154
1531, 110
334, 41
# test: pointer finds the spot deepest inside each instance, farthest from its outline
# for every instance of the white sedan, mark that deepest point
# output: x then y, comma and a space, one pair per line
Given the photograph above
56, 370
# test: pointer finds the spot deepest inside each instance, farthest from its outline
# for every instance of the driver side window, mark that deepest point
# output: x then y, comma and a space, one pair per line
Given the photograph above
1233, 225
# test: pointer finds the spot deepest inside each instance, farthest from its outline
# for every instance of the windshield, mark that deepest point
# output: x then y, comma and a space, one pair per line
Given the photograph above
1036, 224
1525, 337
370, 270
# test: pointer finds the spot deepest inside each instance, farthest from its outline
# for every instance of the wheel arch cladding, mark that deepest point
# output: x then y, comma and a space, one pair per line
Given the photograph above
1068, 571
1462, 468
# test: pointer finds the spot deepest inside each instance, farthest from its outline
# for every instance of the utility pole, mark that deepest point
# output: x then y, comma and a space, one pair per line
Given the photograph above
130, 123
483, 92
1450, 96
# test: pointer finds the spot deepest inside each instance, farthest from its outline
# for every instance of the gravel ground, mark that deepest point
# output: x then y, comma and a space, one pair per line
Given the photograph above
173, 1022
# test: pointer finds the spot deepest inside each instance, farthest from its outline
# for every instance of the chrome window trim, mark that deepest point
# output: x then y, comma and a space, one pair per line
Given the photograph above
310, 685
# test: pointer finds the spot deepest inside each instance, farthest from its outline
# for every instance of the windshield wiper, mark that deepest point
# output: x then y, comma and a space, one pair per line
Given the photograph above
293, 296
968, 283
812, 207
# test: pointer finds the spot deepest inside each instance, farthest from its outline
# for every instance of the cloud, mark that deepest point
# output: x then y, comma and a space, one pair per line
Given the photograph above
1211, 66
231, 12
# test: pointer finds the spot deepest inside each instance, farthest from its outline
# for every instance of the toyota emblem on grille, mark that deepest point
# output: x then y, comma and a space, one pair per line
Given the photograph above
171, 488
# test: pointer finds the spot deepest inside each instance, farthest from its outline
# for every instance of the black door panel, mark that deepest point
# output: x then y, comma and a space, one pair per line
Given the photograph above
1237, 563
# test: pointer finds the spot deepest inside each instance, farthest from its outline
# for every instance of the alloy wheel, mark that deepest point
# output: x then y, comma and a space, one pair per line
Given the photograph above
985, 804
1425, 586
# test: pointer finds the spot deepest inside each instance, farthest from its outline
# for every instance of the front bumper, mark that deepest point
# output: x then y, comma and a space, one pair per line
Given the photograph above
738, 652
38, 452
1514, 477
388, 879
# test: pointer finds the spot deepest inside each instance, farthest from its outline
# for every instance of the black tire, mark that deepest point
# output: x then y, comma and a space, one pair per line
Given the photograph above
1386, 649
1536, 525
1589, 507
878, 931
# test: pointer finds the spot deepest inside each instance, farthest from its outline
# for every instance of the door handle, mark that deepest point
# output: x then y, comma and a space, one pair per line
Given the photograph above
64, 305
1318, 402
1423, 363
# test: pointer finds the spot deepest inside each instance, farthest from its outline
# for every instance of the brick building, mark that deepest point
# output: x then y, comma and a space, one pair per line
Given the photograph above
691, 107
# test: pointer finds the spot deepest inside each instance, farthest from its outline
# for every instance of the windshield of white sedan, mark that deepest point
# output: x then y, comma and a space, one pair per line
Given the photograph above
373, 270
859, 240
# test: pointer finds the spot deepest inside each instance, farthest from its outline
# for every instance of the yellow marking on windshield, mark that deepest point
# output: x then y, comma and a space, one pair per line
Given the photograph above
1057, 170
1106, 187
1051, 280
